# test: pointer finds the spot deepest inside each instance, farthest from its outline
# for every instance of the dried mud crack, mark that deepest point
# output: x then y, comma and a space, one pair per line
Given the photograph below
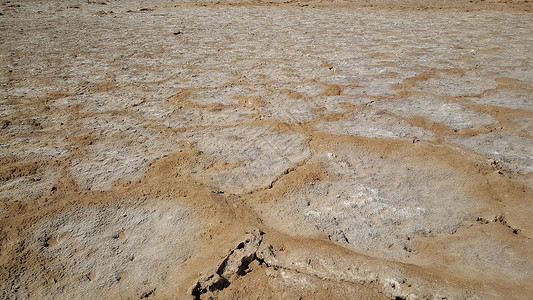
380, 149
252, 249
235, 264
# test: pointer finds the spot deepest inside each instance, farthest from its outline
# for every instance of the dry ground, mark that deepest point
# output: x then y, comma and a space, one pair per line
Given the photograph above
295, 150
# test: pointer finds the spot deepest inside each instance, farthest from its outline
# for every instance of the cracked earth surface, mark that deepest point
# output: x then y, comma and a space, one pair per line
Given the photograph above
299, 150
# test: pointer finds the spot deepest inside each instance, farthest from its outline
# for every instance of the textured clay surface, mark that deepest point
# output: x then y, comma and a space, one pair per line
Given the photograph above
266, 150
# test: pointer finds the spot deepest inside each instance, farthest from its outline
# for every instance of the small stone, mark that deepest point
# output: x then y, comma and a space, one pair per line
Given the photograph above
51, 242
122, 277
120, 236
4, 123
91, 276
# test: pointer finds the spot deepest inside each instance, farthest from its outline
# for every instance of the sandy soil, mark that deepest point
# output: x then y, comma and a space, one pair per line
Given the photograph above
266, 150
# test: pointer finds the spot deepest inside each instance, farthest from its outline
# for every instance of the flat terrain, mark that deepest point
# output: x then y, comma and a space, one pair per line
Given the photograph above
295, 150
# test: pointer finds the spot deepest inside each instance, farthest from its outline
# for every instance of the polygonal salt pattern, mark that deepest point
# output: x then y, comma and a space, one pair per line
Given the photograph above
456, 85
109, 248
374, 123
124, 156
379, 207
261, 153
453, 115
514, 152
509, 98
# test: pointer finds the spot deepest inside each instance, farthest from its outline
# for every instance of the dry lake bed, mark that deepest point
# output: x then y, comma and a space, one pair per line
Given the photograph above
298, 150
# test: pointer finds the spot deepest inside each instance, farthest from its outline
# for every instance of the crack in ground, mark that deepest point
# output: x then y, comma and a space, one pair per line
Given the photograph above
253, 248
233, 266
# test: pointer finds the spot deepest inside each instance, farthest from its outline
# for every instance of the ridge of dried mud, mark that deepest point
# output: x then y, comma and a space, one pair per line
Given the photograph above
253, 150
